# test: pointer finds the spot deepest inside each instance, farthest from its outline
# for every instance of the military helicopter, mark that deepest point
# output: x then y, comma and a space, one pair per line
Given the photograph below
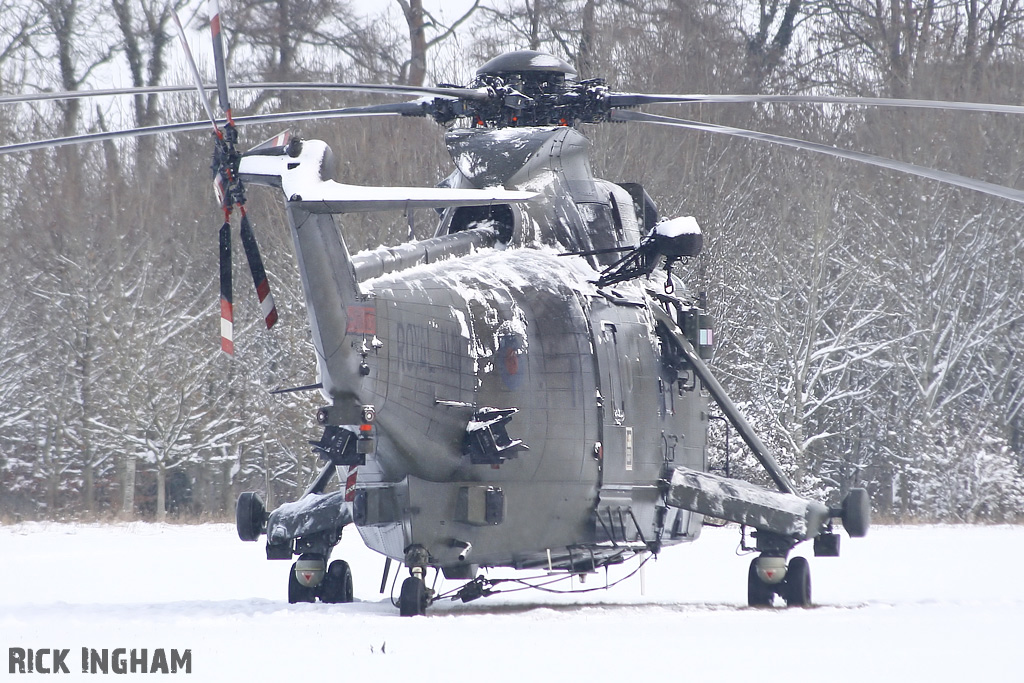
515, 391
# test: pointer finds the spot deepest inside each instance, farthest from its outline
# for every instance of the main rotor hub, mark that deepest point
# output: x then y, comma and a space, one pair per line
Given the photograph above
531, 88
526, 72
527, 63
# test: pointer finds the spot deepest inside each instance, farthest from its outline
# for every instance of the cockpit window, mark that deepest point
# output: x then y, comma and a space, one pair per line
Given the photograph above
602, 232
498, 216
609, 226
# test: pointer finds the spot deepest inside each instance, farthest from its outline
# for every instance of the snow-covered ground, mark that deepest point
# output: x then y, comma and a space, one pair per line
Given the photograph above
937, 603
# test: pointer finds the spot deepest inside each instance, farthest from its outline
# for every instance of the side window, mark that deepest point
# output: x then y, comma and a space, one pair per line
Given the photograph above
615, 405
646, 210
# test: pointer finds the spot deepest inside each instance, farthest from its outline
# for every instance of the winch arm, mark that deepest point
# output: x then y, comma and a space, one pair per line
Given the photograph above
787, 515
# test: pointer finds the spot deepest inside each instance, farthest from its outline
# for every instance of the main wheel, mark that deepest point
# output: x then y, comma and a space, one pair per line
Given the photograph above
250, 513
857, 513
296, 591
413, 600
337, 585
759, 594
798, 583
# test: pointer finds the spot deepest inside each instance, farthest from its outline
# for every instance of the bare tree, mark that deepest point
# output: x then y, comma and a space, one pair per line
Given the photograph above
144, 42
414, 70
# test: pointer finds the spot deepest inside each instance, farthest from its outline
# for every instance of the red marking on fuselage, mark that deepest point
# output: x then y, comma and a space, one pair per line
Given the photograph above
361, 320
350, 485
511, 360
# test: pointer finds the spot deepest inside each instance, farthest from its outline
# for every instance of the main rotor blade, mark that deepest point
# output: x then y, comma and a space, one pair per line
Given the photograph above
407, 90
107, 92
637, 99
399, 108
614, 100
942, 176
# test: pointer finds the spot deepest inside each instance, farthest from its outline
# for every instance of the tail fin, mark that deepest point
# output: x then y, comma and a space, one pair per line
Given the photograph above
335, 305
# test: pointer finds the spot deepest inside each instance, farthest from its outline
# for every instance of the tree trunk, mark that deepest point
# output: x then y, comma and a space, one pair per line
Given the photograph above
161, 492
588, 41
417, 71
88, 487
128, 504
227, 487
535, 24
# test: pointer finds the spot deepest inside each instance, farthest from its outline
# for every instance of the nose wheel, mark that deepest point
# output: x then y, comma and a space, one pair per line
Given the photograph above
413, 600
769, 576
297, 592
415, 596
308, 581
759, 593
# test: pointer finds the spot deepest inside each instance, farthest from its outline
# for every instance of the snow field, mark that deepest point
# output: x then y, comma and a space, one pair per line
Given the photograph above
936, 603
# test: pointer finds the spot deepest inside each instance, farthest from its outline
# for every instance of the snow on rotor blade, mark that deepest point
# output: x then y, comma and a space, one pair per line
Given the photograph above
637, 99
1001, 191
340, 198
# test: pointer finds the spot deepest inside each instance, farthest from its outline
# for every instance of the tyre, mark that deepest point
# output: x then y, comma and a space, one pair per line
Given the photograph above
798, 583
337, 585
296, 591
250, 513
759, 594
857, 513
413, 600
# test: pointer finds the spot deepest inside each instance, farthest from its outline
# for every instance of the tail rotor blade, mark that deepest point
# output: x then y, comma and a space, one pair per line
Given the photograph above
225, 167
227, 315
259, 275
218, 57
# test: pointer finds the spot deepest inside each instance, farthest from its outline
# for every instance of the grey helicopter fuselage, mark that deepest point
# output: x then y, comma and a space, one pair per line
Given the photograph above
511, 341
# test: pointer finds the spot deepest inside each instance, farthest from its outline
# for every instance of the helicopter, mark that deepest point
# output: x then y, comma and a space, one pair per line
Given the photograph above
511, 392
516, 390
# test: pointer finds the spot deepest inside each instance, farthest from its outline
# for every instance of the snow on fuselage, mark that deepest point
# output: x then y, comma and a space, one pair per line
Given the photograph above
525, 329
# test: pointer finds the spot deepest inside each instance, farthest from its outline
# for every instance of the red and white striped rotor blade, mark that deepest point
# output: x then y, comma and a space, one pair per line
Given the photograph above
227, 314
259, 274
218, 56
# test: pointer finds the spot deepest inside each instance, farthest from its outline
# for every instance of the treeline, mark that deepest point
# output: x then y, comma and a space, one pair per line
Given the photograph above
871, 324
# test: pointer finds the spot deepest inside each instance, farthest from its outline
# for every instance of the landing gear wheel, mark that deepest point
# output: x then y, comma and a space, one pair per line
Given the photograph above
296, 591
797, 587
337, 584
250, 513
759, 594
413, 600
857, 513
